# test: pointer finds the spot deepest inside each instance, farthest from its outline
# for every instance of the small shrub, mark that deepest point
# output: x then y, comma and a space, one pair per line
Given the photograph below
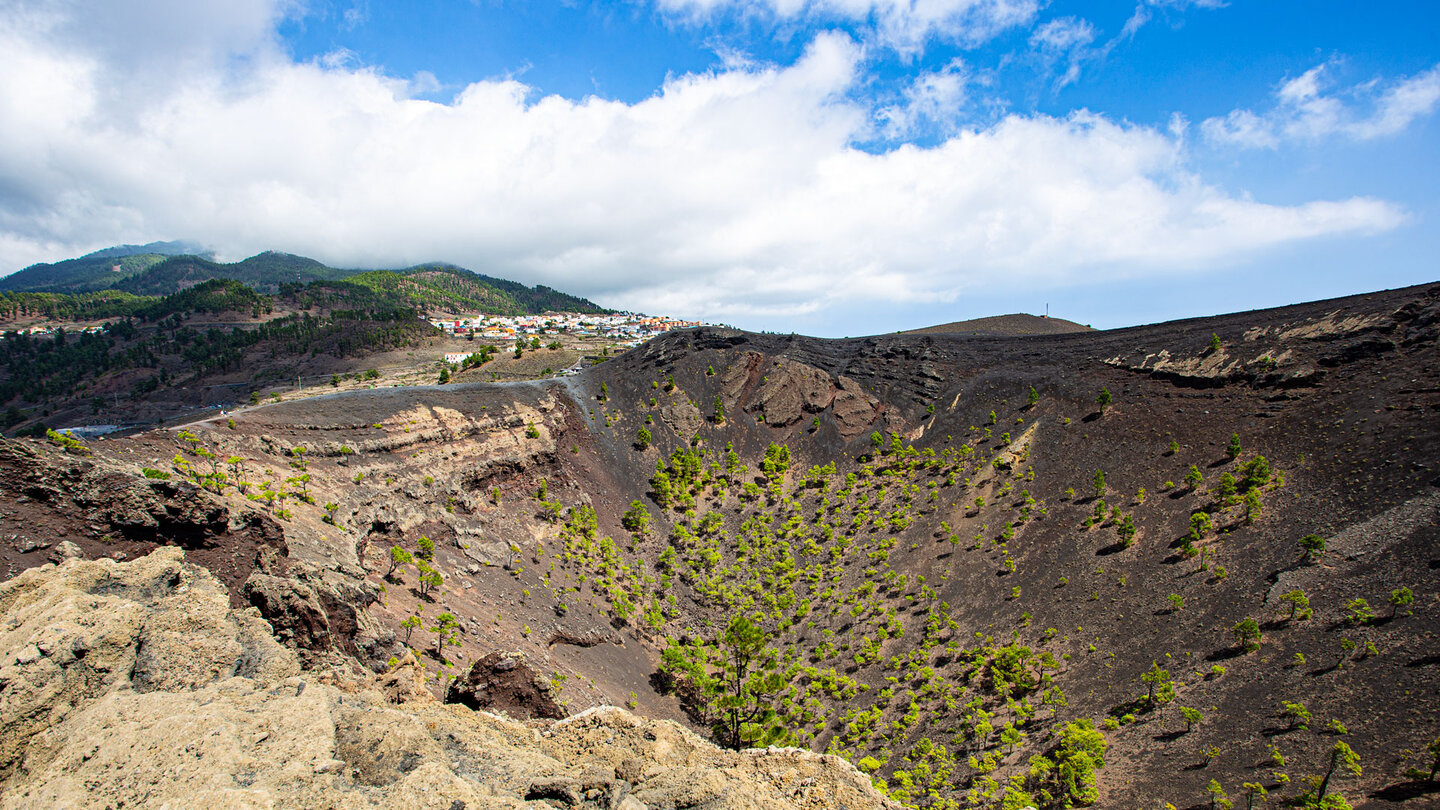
1401, 597
1247, 633
1359, 612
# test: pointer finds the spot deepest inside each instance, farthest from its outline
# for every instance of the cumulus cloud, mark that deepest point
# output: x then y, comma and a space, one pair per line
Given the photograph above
733, 194
1309, 108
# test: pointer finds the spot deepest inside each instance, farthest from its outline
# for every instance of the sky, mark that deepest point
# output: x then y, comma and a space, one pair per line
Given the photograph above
828, 167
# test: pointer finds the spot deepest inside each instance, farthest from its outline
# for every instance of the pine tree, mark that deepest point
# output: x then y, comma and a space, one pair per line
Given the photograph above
1126, 531
747, 682
1247, 632
1252, 506
636, 519
1194, 478
411, 622
1400, 597
1082, 752
1341, 756
1225, 490
446, 630
1299, 604
1254, 473
1191, 716
1159, 687
398, 557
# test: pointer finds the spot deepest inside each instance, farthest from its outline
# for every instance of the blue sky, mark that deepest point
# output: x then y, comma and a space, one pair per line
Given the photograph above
834, 167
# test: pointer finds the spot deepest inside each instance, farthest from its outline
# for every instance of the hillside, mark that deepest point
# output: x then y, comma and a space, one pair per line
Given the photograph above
448, 289
439, 287
265, 272
1016, 325
219, 334
1111, 569
100, 270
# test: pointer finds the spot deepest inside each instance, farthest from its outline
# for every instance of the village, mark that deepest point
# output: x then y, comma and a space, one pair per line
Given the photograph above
619, 331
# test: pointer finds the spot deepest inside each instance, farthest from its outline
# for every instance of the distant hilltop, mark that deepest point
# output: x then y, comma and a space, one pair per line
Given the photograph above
145, 272
1016, 325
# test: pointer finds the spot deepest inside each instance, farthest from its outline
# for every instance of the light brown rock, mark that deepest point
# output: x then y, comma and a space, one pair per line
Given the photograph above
217, 714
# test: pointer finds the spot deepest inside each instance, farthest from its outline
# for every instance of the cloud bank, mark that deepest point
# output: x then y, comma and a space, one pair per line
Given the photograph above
736, 195
905, 25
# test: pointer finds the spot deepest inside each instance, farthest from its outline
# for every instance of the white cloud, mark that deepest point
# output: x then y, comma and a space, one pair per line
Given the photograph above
1308, 109
733, 193
1060, 36
1145, 10
937, 98
902, 24
1065, 40
355, 16
1069, 42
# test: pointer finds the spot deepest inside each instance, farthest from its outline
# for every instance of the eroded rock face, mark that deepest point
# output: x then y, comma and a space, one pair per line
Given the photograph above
505, 682
70, 636
135, 684
59, 506
781, 392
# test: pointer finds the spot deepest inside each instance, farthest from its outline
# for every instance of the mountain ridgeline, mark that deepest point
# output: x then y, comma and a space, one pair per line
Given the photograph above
117, 283
186, 332
1190, 564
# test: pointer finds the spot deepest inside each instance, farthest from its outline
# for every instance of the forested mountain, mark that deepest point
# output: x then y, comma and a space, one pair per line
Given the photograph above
153, 344
442, 287
266, 272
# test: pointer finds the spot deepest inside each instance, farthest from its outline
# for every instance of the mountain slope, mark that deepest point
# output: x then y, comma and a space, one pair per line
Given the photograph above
100, 270
265, 272
429, 286
444, 288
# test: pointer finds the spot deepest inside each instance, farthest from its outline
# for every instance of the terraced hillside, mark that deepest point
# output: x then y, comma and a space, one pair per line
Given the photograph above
1162, 564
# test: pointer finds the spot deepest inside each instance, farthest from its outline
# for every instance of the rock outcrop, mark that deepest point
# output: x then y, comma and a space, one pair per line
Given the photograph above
100, 631
505, 682
781, 392
137, 685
